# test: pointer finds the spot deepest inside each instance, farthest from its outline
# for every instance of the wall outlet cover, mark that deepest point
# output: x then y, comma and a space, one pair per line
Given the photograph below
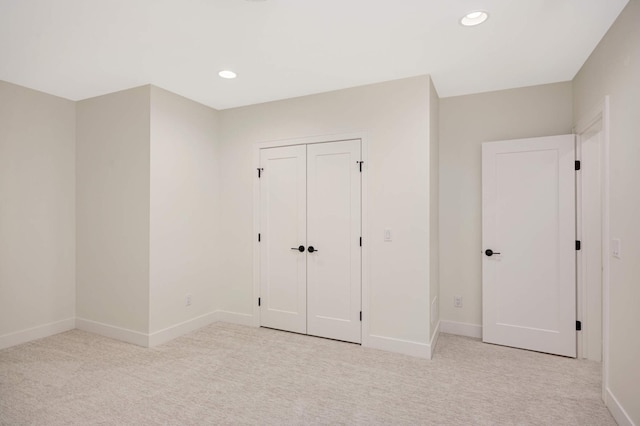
457, 301
616, 248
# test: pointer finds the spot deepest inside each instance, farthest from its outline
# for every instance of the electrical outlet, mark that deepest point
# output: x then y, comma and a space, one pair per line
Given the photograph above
616, 248
457, 301
187, 299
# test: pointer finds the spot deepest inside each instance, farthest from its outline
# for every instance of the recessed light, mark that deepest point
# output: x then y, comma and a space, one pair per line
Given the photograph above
474, 18
227, 74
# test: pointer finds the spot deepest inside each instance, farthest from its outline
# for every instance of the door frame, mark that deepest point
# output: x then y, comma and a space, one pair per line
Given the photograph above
365, 276
600, 112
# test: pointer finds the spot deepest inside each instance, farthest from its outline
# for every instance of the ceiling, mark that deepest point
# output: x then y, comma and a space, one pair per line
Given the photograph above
285, 48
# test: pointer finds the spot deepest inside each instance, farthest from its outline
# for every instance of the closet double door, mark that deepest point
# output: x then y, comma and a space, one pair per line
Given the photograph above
310, 239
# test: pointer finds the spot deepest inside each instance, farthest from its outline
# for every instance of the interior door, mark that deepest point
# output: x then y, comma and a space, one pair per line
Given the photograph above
283, 218
590, 265
333, 235
528, 236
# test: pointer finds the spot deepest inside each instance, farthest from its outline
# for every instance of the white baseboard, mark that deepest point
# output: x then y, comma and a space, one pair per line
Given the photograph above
434, 340
236, 318
618, 413
162, 336
38, 332
113, 332
407, 347
461, 328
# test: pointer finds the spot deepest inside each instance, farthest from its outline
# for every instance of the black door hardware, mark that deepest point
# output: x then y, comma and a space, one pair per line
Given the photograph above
311, 249
490, 252
299, 248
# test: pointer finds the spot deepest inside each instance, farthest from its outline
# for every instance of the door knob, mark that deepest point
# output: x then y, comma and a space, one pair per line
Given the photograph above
299, 248
490, 252
311, 249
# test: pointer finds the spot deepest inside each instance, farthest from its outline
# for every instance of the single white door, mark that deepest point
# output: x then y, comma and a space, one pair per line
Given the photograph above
333, 235
528, 222
590, 234
283, 269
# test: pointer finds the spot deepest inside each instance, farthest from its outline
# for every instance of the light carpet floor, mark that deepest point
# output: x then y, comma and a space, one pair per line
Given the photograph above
230, 374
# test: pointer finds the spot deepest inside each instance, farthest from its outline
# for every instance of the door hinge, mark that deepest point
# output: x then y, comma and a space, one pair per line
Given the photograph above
258, 301
360, 315
578, 165
360, 164
260, 170
360, 241
578, 245
578, 325
259, 237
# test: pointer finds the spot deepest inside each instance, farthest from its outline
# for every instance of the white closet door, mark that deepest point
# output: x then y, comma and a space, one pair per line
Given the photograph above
283, 272
528, 222
334, 230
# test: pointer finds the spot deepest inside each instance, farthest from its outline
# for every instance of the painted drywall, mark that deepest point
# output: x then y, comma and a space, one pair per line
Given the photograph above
466, 122
183, 217
434, 207
614, 69
112, 209
37, 212
395, 116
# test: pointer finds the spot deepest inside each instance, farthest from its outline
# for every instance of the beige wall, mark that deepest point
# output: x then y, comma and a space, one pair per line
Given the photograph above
395, 116
434, 207
112, 192
147, 189
184, 193
614, 69
466, 122
37, 214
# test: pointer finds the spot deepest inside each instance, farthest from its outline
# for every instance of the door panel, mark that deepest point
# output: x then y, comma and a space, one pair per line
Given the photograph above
283, 227
334, 229
590, 223
528, 195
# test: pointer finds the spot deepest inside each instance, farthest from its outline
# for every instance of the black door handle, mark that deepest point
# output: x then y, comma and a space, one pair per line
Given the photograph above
490, 252
299, 248
311, 249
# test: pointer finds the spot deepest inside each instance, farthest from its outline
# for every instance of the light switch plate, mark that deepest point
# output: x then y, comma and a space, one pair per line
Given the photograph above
616, 248
387, 234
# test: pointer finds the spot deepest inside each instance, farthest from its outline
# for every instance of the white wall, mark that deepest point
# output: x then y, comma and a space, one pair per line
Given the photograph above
147, 189
466, 122
184, 199
37, 214
112, 183
434, 207
395, 116
614, 69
